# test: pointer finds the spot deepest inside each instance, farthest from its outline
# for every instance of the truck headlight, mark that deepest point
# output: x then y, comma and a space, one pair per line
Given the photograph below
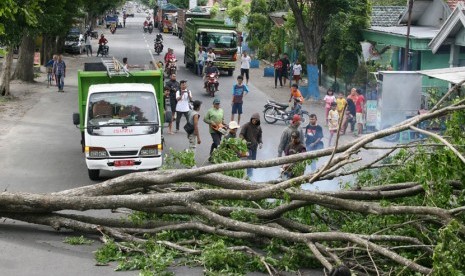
151, 150
96, 152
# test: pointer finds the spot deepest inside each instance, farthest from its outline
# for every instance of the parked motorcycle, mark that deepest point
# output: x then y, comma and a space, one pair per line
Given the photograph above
275, 111
212, 84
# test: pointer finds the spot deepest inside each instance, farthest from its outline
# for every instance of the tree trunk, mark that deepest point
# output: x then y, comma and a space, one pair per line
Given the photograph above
60, 42
6, 72
25, 68
311, 31
49, 46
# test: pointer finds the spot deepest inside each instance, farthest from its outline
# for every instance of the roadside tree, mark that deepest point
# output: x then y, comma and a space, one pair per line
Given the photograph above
313, 18
15, 18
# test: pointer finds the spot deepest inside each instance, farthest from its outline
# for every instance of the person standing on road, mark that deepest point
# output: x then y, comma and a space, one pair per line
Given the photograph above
167, 108
183, 96
59, 69
333, 122
211, 55
278, 65
297, 72
252, 133
285, 68
313, 137
50, 74
245, 66
359, 111
174, 86
88, 45
239, 91
349, 117
215, 119
286, 135
194, 138
328, 99
201, 60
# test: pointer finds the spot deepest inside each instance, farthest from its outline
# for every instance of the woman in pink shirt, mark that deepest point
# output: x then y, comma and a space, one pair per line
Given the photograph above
328, 99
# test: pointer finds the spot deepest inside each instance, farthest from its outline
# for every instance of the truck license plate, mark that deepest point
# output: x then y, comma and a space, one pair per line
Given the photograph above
124, 163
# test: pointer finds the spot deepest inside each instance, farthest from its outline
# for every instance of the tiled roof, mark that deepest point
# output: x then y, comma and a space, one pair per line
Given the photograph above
386, 16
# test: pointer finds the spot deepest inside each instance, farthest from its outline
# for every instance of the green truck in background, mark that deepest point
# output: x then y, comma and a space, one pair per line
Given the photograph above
210, 33
121, 117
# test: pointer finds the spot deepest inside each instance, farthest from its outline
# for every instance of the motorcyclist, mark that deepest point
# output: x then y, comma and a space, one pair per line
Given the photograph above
211, 68
113, 28
169, 58
101, 43
146, 24
158, 42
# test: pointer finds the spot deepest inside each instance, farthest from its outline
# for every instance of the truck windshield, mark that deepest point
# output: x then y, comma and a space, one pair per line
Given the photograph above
123, 108
218, 40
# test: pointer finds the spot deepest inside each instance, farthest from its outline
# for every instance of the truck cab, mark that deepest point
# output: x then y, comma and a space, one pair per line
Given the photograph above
214, 34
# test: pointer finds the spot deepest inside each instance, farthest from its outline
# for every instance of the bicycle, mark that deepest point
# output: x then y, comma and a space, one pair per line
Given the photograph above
49, 76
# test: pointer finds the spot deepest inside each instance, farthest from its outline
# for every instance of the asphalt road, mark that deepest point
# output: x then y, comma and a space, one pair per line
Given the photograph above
42, 154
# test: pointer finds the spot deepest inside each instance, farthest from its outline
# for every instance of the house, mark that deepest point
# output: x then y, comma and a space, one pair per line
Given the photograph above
437, 36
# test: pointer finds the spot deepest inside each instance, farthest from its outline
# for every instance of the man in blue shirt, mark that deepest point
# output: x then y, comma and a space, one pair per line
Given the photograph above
59, 69
239, 90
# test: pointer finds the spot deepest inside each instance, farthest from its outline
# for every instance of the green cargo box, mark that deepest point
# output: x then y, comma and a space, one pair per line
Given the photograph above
88, 78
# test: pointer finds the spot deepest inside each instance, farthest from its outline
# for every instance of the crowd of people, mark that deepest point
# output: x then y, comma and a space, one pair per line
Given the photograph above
294, 139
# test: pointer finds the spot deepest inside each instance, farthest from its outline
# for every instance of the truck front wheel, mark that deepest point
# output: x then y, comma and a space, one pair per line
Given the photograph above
94, 175
230, 72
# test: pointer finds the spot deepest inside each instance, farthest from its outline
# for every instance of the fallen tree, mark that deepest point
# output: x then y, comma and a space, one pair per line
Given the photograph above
403, 213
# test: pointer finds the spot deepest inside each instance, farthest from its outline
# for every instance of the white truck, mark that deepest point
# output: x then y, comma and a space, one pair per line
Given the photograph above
121, 120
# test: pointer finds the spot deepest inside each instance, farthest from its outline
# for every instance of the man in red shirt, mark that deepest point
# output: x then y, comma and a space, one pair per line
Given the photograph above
359, 111
101, 42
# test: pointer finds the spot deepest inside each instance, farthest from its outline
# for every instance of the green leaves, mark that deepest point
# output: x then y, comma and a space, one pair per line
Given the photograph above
78, 241
448, 258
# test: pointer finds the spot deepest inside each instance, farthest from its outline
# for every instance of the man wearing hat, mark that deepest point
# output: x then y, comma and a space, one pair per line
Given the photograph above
286, 136
215, 119
232, 130
252, 133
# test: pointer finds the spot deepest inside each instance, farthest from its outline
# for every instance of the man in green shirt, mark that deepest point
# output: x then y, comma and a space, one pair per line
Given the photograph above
215, 119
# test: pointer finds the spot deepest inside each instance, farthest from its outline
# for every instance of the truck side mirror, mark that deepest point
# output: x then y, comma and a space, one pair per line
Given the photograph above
76, 119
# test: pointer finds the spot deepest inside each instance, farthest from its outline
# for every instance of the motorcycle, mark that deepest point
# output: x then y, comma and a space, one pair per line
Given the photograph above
150, 29
275, 111
145, 29
103, 50
112, 29
212, 84
158, 44
171, 67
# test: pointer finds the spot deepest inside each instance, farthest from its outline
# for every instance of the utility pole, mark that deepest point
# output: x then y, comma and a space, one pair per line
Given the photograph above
407, 46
